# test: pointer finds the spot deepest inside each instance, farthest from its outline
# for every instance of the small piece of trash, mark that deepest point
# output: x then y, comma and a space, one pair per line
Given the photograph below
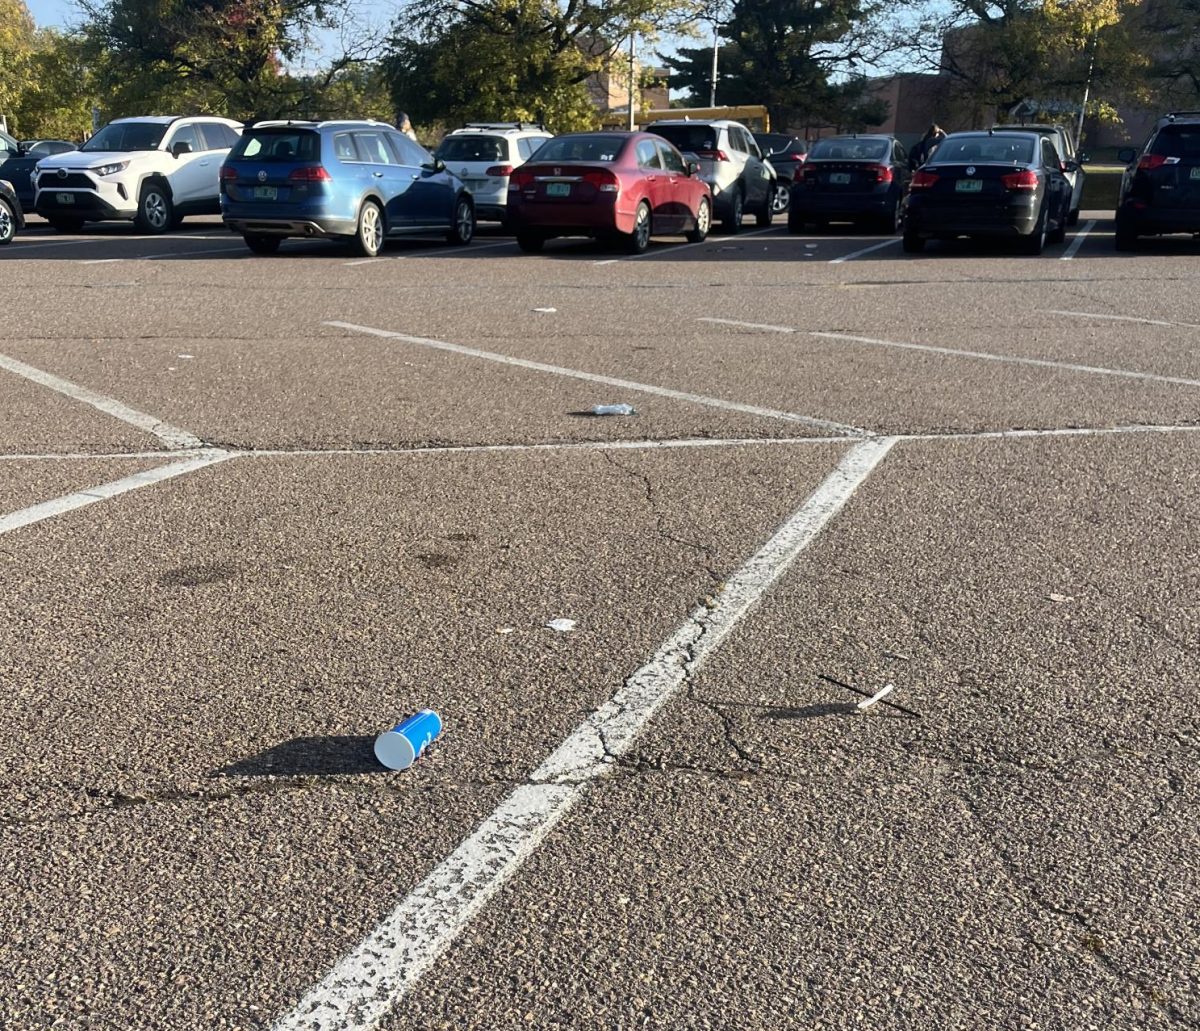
185, 356
613, 410
883, 692
505, 630
897, 655
1061, 598
561, 625
170, 368
545, 311
402, 746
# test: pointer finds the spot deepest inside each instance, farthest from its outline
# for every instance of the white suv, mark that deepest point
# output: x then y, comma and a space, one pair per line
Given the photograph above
149, 171
484, 154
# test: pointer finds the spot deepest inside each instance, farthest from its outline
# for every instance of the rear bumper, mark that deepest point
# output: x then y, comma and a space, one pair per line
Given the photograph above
277, 220
586, 219
1152, 221
1018, 218
807, 202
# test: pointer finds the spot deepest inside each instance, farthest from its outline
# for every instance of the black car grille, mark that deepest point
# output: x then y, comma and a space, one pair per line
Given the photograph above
72, 181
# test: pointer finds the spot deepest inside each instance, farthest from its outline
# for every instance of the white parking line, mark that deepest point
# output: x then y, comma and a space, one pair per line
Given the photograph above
1077, 240
170, 435
866, 250
360, 991
750, 325
98, 261
1094, 370
365, 261
675, 249
70, 502
1119, 318
20, 245
610, 381
189, 254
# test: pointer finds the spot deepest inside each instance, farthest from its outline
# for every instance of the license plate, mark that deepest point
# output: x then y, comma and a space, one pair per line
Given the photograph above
265, 193
558, 189
1195, 173
65, 198
969, 186
839, 178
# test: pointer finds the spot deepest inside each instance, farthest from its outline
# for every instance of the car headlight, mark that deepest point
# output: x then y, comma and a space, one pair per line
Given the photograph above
113, 169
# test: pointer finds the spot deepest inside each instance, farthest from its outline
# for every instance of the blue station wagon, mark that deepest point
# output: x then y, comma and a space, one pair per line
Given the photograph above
359, 182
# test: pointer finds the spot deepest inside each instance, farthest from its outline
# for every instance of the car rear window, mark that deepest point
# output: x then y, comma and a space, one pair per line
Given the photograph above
270, 145
689, 137
473, 148
581, 148
1178, 141
775, 141
1001, 149
851, 150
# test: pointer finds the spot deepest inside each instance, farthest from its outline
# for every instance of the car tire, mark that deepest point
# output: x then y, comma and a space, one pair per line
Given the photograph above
781, 196
368, 234
639, 240
795, 222
530, 243
913, 243
889, 225
8, 223
1073, 218
263, 244
65, 225
699, 233
1035, 242
732, 223
154, 210
1126, 235
462, 232
766, 217
1058, 235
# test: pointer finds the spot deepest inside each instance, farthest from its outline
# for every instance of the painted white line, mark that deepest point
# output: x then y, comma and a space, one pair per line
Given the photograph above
80, 499
364, 261
189, 254
112, 456
750, 325
866, 250
1077, 240
728, 240
607, 261
1075, 431
1044, 363
360, 991
1119, 318
170, 435
610, 381
20, 245
99, 261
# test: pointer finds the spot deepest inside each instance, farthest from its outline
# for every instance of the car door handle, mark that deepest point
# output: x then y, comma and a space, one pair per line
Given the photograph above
651, 178
204, 164
416, 175
377, 175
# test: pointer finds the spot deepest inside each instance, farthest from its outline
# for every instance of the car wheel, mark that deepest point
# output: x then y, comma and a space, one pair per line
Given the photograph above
637, 241
764, 218
889, 225
1126, 235
530, 243
66, 225
703, 222
263, 244
781, 197
1073, 218
368, 240
154, 209
1060, 234
914, 243
1035, 242
795, 222
8, 223
463, 230
732, 223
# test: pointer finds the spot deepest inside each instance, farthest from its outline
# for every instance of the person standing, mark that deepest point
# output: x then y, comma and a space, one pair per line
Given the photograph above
405, 126
924, 149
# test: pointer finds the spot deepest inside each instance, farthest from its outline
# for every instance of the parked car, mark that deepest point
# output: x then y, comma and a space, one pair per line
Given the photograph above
353, 181
17, 161
12, 218
1160, 190
730, 162
988, 184
617, 185
149, 171
785, 154
857, 179
1060, 136
484, 154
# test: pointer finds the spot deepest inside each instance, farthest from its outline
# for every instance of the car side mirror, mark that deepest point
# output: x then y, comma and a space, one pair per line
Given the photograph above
1083, 157
23, 151
181, 148
1070, 166
439, 165
1127, 155
693, 168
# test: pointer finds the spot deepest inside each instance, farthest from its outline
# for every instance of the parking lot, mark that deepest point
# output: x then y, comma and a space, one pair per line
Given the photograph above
254, 510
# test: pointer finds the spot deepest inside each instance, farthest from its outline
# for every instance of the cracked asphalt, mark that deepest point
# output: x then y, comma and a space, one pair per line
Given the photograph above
194, 830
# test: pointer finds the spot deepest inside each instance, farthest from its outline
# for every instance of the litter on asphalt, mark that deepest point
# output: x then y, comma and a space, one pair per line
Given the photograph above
883, 692
561, 625
402, 746
546, 311
613, 410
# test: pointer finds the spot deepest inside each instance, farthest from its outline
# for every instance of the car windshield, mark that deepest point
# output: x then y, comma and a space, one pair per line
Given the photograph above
277, 145
581, 148
986, 150
473, 148
124, 136
1178, 141
850, 150
693, 138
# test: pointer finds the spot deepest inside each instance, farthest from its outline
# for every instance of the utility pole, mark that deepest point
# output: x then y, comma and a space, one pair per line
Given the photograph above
712, 96
1087, 88
632, 62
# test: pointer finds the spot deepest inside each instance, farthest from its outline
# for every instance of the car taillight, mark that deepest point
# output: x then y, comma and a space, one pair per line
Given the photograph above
923, 180
311, 174
712, 155
1022, 180
602, 179
521, 178
500, 170
1150, 162
228, 174
879, 173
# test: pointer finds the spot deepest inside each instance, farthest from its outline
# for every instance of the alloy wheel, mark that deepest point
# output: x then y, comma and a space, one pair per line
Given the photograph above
8, 227
780, 198
155, 207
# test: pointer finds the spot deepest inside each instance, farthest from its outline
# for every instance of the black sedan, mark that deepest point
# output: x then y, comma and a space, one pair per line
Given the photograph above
983, 184
857, 179
11, 217
18, 159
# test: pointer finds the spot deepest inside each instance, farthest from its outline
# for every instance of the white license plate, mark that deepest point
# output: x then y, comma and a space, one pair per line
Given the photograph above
1195, 173
839, 178
65, 198
558, 189
969, 186
265, 193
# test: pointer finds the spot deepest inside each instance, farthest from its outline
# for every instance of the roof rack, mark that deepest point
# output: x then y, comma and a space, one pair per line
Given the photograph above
1172, 115
504, 125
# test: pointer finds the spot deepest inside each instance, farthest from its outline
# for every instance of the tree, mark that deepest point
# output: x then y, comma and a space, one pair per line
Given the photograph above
57, 101
17, 33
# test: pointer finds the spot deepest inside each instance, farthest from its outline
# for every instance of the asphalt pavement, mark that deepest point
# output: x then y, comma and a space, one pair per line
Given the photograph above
879, 704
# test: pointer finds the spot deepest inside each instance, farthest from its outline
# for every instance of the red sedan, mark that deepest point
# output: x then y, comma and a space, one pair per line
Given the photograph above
622, 185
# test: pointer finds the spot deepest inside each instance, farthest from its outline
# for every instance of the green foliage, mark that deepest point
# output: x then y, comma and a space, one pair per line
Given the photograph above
16, 50
57, 100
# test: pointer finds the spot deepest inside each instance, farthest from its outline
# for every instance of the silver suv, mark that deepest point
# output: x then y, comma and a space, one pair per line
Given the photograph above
149, 171
484, 154
730, 162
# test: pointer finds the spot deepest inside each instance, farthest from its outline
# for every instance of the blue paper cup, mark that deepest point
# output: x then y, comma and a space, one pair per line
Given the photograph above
402, 746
